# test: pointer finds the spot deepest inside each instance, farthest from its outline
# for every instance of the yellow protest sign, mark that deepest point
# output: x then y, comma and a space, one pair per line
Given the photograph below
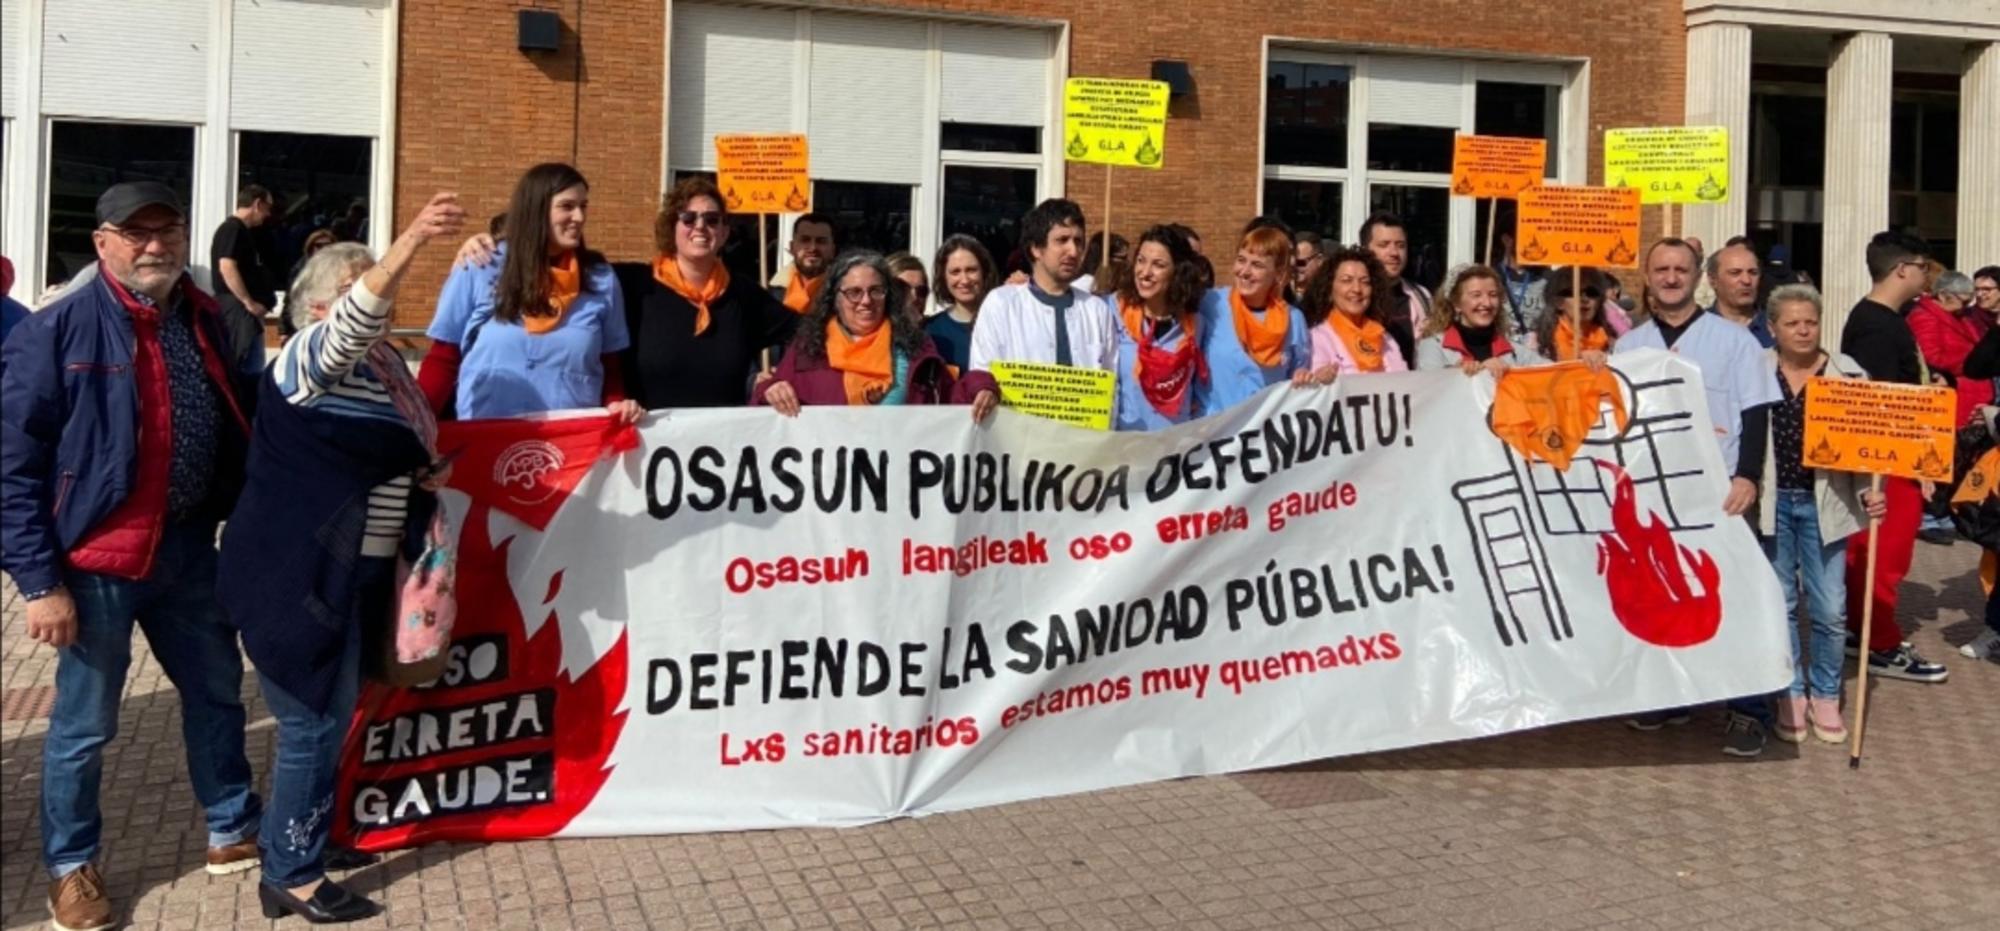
763, 173
1064, 393
1880, 428
1590, 226
1496, 166
1114, 122
1669, 164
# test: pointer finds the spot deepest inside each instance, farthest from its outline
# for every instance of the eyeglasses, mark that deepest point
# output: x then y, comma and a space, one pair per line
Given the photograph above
693, 219
137, 237
1985, 289
857, 295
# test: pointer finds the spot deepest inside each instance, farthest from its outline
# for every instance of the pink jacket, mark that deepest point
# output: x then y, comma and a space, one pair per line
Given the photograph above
1327, 349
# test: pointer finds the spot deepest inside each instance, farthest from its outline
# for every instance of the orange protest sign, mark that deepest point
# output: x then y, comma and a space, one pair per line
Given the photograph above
1587, 226
1496, 166
763, 173
1880, 427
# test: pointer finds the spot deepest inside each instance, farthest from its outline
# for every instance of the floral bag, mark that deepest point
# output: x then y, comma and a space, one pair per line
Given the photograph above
418, 639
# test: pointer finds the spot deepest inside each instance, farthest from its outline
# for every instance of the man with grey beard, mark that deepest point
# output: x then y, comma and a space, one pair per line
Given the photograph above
123, 431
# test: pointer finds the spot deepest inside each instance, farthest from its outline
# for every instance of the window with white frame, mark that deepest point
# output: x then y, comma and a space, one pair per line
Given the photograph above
918, 128
225, 101
87, 157
1346, 135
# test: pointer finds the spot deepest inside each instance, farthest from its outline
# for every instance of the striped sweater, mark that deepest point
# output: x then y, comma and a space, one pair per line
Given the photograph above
324, 367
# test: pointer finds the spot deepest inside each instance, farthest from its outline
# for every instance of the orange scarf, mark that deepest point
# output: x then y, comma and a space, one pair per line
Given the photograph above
668, 272
1264, 339
800, 291
1596, 339
867, 364
1363, 338
564, 283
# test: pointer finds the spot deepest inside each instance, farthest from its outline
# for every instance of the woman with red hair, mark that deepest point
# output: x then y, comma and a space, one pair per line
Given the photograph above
1249, 335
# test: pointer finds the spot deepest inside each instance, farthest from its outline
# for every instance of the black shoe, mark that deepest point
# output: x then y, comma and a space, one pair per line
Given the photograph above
1655, 720
1904, 663
1938, 536
1742, 736
345, 859
330, 904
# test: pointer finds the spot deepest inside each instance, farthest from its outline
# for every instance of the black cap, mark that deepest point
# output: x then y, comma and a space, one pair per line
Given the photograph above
119, 202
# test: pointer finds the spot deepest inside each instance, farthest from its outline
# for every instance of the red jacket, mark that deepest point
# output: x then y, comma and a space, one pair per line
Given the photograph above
1946, 339
124, 542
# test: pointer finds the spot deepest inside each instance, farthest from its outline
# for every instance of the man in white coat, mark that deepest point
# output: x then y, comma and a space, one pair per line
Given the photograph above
1740, 390
1046, 319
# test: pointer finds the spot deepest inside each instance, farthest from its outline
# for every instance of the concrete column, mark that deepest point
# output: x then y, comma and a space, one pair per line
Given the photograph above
1857, 168
1718, 94
1979, 158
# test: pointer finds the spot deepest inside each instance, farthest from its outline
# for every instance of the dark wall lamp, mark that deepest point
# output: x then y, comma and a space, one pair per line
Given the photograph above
539, 31
1179, 80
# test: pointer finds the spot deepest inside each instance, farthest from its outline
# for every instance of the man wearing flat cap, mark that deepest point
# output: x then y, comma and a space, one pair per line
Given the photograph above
123, 431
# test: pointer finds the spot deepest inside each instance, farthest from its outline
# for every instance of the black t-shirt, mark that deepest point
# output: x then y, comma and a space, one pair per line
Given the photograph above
669, 366
1880, 339
235, 240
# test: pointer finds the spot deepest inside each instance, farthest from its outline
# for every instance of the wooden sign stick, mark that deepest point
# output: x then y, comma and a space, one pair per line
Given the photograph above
763, 281
1867, 621
1492, 215
1576, 308
1104, 258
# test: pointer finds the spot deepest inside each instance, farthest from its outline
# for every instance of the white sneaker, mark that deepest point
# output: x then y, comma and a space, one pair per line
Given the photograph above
1985, 645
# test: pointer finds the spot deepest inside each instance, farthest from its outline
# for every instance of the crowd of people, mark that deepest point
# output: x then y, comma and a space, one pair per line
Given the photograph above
135, 422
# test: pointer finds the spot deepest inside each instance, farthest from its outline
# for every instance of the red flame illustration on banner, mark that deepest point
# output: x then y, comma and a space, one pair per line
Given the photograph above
585, 723
1646, 573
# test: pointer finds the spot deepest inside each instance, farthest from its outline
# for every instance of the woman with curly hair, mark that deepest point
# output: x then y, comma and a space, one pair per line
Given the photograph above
1555, 334
1159, 346
1350, 301
857, 346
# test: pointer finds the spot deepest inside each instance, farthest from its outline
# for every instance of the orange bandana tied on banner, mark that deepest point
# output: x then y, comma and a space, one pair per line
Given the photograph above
1596, 339
564, 283
1362, 337
801, 291
1545, 412
867, 364
1263, 340
668, 272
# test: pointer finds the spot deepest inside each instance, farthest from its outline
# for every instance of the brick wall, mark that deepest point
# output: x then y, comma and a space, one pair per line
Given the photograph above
474, 111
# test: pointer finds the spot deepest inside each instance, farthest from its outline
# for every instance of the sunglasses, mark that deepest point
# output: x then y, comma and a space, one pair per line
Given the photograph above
136, 237
693, 219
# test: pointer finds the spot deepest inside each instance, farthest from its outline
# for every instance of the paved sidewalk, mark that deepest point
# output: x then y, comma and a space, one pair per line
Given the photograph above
1586, 825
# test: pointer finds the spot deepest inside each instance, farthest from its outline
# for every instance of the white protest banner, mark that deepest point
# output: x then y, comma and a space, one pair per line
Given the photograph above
752, 621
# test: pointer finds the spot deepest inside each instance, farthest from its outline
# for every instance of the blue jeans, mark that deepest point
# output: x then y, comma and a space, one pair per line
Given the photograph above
300, 816
1802, 559
176, 608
